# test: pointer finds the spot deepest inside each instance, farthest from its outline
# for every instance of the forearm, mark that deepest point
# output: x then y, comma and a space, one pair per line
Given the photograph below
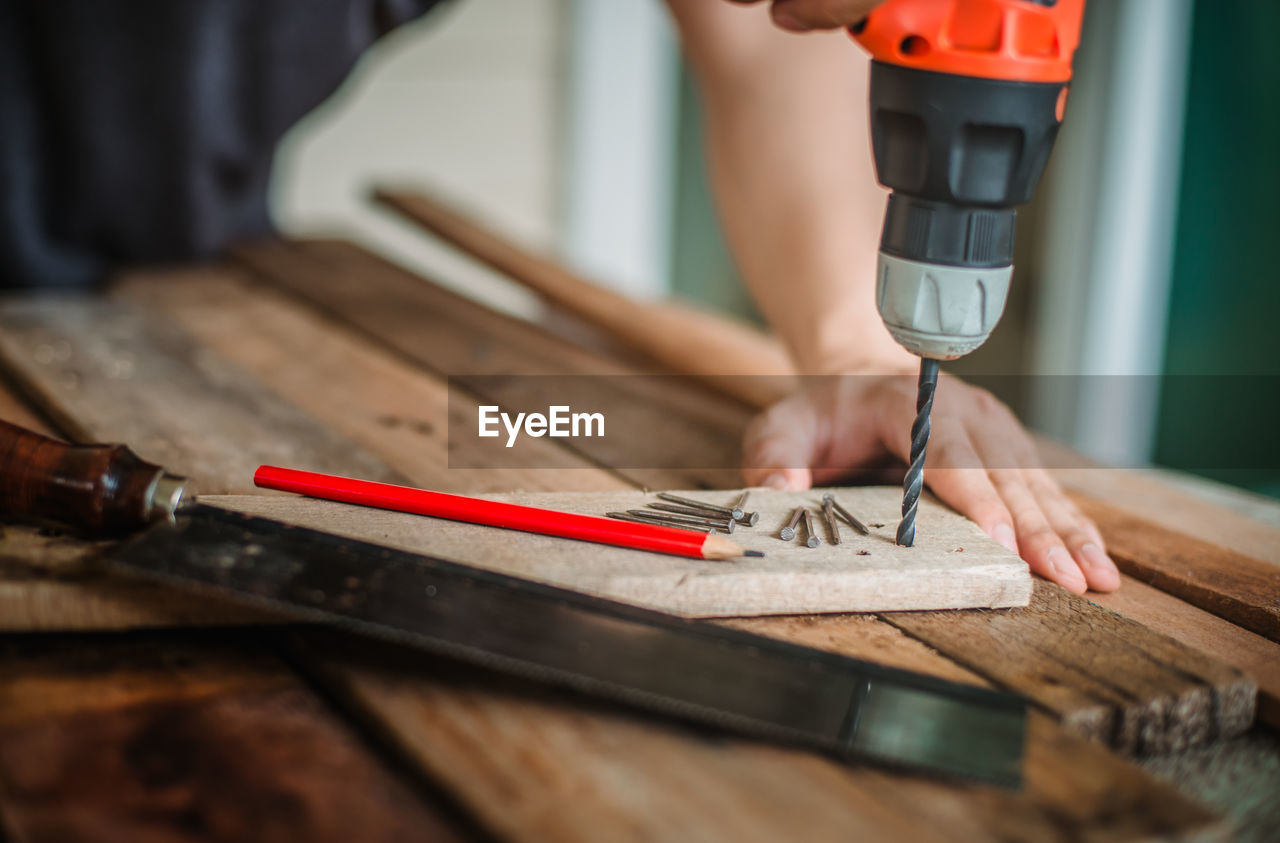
790, 161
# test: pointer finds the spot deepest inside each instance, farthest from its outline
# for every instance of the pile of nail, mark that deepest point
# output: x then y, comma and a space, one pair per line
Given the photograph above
832, 513
690, 514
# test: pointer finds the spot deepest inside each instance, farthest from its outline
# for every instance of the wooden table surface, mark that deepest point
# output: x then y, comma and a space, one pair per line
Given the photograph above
128, 712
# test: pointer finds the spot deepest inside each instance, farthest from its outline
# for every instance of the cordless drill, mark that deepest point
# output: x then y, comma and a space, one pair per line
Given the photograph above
966, 100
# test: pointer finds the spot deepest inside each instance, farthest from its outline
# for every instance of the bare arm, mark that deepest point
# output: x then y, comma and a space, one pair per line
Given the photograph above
792, 171
788, 145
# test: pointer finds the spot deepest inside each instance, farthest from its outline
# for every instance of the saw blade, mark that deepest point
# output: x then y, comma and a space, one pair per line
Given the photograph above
694, 670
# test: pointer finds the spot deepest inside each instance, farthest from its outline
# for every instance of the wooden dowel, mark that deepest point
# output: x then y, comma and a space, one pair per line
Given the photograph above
717, 350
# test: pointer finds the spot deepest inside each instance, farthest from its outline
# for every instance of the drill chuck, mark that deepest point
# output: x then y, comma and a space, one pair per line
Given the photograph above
937, 311
960, 153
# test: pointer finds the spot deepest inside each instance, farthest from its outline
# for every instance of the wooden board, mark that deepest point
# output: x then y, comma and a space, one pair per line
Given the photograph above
513, 754
953, 565
106, 371
385, 406
1243, 590
726, 349
1107, 677
173, 740
1252, 654
681, 436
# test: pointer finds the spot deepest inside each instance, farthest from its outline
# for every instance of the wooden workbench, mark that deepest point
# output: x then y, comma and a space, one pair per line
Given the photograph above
132, 713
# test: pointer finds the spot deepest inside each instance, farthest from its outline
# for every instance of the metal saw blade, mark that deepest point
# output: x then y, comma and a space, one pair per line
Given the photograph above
693, 670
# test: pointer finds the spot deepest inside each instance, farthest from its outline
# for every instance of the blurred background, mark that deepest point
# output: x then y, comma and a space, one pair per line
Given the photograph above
1146, 268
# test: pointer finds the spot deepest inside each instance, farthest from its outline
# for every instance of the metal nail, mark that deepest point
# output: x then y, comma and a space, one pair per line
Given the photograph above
811, 539
726, 525
846, 515
710, 507
829, 515
653, 522
678, 509
789, 532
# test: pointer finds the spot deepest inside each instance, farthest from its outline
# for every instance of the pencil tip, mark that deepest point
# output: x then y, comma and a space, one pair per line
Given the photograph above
754, 553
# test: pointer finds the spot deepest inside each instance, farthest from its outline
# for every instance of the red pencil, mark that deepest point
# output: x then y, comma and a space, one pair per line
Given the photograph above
509, 516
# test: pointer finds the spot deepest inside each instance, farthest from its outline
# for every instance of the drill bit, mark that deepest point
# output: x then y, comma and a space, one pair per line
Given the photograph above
914, 481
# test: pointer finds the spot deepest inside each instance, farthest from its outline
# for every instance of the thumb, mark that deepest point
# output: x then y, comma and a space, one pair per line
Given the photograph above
781, 445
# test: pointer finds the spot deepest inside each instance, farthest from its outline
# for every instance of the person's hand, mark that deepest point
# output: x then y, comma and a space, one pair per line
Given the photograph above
807, 15
980, 460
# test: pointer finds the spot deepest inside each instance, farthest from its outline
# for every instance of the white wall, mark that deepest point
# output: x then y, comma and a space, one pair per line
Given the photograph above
1110, 214
467, 101
623, 98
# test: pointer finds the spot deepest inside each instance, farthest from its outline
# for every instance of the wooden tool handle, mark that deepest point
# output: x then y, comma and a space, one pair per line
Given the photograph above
96, 488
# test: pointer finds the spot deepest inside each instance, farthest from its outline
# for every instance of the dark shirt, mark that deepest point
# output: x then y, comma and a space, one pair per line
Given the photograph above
138, 131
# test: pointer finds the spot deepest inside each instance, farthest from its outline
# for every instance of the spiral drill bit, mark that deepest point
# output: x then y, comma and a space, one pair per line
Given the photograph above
914, 482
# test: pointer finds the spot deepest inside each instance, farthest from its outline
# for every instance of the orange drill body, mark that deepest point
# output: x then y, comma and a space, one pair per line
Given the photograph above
1018, 40
966, 100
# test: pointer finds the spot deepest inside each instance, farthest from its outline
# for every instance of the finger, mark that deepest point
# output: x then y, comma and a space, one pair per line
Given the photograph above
780, 445
1099, 571
806, 15
1038, 541
954, 474
1086, 523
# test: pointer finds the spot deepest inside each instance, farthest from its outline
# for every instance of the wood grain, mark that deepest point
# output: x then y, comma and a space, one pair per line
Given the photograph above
49, 582
646, 779
1144, 495
107, 371
1108, 678
1241, 589
680, 437
954, 564
1254, 655
715, 349
394, 411
160, 740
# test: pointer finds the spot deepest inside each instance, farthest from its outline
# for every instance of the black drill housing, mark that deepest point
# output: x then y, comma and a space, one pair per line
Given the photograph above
959, 153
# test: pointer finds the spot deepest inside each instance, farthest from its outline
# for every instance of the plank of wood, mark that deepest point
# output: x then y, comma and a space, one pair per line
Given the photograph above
1243, 590
647, 779
1107, 677
1208, 633
383, 406
107, 371
678, 435
1146, 495
162, 740
387, 407
953, 565
730, 356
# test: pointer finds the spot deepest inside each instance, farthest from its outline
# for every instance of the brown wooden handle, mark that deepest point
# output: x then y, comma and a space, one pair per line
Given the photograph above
96, 488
